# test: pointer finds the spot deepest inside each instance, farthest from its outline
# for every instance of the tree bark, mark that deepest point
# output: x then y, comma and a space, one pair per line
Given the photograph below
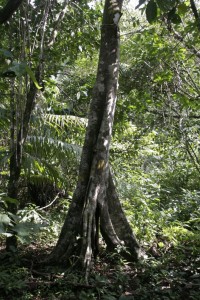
16, 154
95, 199
195, 13
8, 10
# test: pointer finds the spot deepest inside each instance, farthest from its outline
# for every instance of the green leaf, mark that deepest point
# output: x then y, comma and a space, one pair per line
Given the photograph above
10, 200
171, 14
176, 19
21, 69
18, 68
26, 228
22, 229
151, 11
110, 297
2, 229
32, 76
4, 219
182, 8
166, 5
161, 245
6, 53
7, 234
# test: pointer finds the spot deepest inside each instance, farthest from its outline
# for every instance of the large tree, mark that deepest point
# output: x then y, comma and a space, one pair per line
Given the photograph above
95, 204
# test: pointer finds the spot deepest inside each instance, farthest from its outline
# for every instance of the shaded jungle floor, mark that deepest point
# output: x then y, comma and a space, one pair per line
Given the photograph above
166, 272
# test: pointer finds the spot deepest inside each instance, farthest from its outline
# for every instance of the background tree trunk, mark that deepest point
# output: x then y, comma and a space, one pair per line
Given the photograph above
19, 133
95, 198
8, 10
16, 153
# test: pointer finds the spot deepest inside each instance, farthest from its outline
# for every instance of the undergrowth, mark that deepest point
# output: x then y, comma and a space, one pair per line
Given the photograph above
169, 269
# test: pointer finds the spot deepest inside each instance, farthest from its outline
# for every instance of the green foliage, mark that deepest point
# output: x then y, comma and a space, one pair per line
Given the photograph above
151, 11
25, 224
12, 280
166, 5
172, 272
171, 10
10, 68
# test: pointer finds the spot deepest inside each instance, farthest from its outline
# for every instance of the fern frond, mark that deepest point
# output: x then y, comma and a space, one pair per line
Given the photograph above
4, 116
66, 120
50, 157
50, 145
35, 165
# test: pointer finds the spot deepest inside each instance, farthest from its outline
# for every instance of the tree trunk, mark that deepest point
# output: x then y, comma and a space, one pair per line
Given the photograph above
16, 153
8, 10
95, 199
19, 138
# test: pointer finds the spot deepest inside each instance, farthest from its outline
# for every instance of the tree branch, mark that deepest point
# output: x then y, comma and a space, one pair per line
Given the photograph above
195, 13
168, 115
58, 23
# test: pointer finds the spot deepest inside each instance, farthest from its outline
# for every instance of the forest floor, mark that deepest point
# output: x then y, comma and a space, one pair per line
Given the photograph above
166, 272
